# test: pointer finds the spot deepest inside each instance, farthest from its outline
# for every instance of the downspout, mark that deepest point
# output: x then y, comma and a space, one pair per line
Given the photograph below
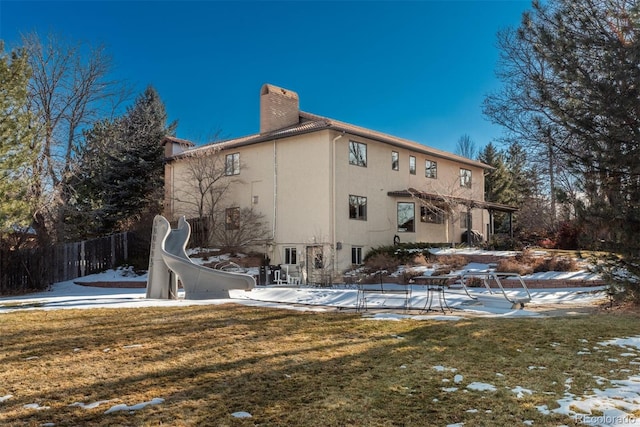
275, 191
333, 200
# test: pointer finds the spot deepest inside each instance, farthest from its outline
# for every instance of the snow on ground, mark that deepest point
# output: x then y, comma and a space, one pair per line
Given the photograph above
613, 405
69, 294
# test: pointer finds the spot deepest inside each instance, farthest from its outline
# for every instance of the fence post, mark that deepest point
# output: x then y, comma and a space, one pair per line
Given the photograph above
125, 245
83, 261
113, 251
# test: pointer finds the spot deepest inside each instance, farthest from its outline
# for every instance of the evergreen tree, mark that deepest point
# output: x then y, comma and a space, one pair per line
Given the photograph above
134, 177
572, 88
16, 141
86, 185
497, 183
119, 178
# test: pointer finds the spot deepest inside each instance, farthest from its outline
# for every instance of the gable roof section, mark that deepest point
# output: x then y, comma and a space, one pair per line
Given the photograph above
181, 141
313, 123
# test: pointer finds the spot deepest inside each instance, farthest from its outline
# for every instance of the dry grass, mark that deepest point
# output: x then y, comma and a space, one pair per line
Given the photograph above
292, 368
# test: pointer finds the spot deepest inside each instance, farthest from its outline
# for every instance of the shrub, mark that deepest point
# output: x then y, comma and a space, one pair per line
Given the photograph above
512, 265
547, 243
556, 263
452, 261
404, 252
382, 261
568, 235
503, 242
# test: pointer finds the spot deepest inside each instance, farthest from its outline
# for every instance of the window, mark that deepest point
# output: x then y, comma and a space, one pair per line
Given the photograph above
358, 207
432, 215
465, 178
431, 169
466, 222
290, 256
232, 218
232, 164
357, 154
406, 217
395, 161
356, 255
412, 165
318, 259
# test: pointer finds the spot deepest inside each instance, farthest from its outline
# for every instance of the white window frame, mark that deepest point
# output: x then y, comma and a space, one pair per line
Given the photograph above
356, 255
232, 164
291, 255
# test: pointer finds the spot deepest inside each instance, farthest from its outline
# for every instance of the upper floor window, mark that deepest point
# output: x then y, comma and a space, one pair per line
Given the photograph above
357, 154
358, 207
430, 169
395, 161
232, 164
432, 215
406, 217
465, 178
232, 218
412, 165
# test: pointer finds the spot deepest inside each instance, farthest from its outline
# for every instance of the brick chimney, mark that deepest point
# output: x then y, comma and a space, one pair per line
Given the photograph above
279, 108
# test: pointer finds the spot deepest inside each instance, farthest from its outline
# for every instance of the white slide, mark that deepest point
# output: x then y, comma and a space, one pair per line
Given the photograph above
169, 262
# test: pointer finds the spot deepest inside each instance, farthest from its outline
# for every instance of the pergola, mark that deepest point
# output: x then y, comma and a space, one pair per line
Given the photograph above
470, 204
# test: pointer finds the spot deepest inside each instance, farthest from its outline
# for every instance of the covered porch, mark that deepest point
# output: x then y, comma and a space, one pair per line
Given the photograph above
447, 202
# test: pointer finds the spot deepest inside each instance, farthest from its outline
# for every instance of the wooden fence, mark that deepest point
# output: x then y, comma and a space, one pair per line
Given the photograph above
36, 269
199, 231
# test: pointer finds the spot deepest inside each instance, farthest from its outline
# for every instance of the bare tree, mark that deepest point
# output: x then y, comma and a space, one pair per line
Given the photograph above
207, 177
204, 185
68, 91
447, 201
242, 228
465, 147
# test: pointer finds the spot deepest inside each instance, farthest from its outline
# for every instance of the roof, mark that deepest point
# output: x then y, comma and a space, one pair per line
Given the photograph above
312, 123
179, 141
413, 193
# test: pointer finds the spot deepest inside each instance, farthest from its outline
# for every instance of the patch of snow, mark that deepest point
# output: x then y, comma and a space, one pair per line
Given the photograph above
5, 397
133, 346
458, 379
136, 407
90, 405
633, 342
35, 406
478, 386
441, 368
241, 414
520, 391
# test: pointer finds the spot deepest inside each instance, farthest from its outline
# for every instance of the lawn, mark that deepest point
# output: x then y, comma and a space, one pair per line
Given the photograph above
199, 365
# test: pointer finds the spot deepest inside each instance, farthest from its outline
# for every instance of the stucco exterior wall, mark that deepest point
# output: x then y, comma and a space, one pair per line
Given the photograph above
301, 184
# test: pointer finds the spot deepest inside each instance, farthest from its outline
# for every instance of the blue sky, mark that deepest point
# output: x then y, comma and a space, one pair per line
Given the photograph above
418, 69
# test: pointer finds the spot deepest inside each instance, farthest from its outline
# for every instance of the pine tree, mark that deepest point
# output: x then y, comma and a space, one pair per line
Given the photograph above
134, 177
572, 88
497, 183
120, 173
86, 185
16, 141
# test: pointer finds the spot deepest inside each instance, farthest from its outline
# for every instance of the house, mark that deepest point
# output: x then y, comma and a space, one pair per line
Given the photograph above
330, 191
